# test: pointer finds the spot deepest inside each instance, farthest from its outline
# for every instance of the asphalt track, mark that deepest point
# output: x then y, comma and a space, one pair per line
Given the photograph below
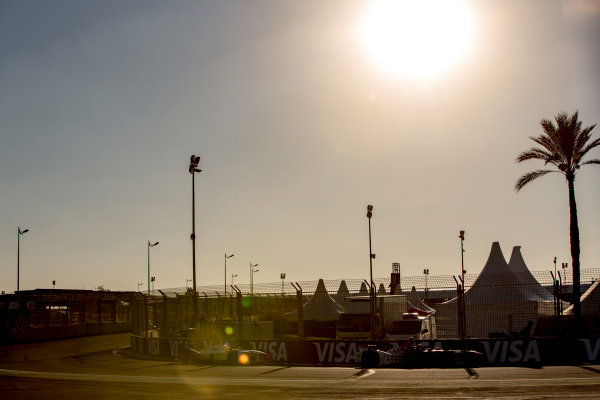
102, 367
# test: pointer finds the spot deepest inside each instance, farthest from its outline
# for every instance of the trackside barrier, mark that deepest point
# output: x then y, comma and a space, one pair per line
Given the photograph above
510, 352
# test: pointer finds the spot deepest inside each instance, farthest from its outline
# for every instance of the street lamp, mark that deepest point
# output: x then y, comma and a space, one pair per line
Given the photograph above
282, 276
233, 276
426, 273
152, 279
149, 245
20, 232
140, 284
252, 271
462, 256
372, 293
194, 161
187, 281
225, 286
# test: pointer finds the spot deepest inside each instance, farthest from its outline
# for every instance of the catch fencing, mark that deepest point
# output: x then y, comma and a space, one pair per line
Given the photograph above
499, 306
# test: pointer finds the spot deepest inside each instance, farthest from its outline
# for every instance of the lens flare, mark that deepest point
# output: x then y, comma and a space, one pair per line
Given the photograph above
243, 359
246, 302
228, 330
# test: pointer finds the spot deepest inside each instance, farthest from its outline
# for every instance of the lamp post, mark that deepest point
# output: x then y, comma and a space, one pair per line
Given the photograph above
140, 284
194, 161
233, 276
225, 286
149, 245
20, 232
372, 294
152, 279
426, 273
252, 271
462, 256
282, 276
187, 281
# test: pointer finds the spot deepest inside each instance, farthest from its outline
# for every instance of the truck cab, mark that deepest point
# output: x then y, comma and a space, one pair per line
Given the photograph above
412, 325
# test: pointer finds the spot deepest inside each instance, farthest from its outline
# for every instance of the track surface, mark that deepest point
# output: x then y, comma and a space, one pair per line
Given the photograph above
101, 367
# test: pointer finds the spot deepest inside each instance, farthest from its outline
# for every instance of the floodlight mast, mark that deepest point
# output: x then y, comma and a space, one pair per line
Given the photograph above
19, 233
149, 245
194, 161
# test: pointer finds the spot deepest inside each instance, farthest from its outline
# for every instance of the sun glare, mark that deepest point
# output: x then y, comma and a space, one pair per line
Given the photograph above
417, 38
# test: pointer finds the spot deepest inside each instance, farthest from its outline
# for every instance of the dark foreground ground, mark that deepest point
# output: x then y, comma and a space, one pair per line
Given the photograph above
101, 368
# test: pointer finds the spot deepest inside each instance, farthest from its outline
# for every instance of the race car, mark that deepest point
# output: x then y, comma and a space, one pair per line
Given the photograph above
225, 354
409, 355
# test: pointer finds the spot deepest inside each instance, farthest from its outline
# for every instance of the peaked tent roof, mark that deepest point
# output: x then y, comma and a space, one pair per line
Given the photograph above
496, 283
342, 293
590, 300
526, 279
397, 290
320, 307
364, 290
414, 299
381, 289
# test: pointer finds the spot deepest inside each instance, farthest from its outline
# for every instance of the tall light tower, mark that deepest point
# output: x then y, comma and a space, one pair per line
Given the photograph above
426, 273
252, 271
225, 286
149, 245
282, 276
194, 161
20, 232
462, 256
372, 294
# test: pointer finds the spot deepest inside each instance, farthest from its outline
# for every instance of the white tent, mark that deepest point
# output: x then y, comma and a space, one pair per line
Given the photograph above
381, 289
364, 290
320, 307
496, 302
342, 293
530, 286
590, 300
417, 304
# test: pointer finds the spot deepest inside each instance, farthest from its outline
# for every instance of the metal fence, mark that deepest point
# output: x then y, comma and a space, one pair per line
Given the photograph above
44, 314
501, 305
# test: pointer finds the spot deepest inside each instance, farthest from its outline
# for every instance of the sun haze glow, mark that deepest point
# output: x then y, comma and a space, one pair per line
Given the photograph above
417, 38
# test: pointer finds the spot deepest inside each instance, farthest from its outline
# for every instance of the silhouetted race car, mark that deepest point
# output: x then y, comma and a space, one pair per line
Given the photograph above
225, 354
409, 355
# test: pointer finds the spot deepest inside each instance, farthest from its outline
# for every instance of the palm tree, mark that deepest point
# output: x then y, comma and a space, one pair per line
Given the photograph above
563, 145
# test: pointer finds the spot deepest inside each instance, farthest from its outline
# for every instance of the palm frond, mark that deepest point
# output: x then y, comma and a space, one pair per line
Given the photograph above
595, 161
530, 176
587, 148
536, 154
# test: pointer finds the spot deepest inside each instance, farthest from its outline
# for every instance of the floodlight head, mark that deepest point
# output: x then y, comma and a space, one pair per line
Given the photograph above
192, 158
197, 160
23, 231
462, 235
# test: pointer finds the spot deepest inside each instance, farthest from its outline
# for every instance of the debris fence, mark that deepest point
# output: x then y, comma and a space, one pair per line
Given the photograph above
499, 306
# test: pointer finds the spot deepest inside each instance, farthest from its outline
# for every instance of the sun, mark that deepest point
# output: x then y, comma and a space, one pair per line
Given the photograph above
417, 38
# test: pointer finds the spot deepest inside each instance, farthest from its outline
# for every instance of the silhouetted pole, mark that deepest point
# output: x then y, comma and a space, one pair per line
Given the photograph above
372, 289
20, 232
225, 286
194, 161
149, 245
252, 271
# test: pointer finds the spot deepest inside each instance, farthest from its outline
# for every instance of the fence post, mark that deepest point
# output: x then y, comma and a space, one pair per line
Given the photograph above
300, 309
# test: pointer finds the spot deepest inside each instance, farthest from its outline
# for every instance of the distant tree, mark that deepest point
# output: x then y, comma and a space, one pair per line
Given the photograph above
563, 146
101, 288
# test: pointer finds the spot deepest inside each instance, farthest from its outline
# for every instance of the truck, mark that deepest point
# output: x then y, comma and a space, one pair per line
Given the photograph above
412, 325
355, 322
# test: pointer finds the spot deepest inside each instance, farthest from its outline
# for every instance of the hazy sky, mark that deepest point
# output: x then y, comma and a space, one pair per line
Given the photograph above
298, 128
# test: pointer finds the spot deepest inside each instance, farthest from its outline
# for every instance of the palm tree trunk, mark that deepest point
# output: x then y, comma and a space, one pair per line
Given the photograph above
575, 250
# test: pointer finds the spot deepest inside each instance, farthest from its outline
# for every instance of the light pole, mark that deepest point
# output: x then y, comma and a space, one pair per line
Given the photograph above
372, 293
152, 279
233, 276
426, 273
140, 284
252, 271
187, 281
282, 276
225, 286
149, 245
194, 161
462, 257
20, 232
